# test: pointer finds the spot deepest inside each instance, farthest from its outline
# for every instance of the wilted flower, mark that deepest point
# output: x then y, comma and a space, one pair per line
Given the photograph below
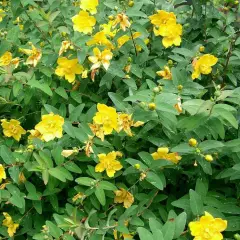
208, 228
64, 47
203, 65
83, 22
2, 173
97, 130
122, 19
108, 163
100, 58
106, 117
125, 197
178, 105
15, 62
78, 196
5, 59
12, 128
34, 54
68, 153
68, 68
163, 153
50, 126
125, 123
166, 73
8, 222
89, 5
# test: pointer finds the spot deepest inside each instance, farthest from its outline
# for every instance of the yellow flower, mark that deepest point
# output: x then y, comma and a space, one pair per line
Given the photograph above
100, 58
2, 173
125, 123
122, 40
209, 158
34, 54
106, 117
50, 127
85, 73
107, 29
89, 5
166, 73
208, 228
162, 17
15, 61
5, 59
192, 142
64, 47
122, 235
125, 197
203, 65
108, 163
13, 129
34, 134
8, 222
68, 68
100, 39
68, 153
122, 19
163, 153
78, 196
2, 15
171, 33
83, 22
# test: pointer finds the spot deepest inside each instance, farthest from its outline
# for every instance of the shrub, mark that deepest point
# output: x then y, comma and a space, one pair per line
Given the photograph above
119, 119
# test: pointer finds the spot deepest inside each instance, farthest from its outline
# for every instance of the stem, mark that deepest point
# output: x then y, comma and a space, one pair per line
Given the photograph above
134, 44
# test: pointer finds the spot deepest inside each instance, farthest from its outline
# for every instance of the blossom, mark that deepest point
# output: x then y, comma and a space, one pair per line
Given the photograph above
68, 153
125, 197
106, 117
2, 15
2, 173
171, 34
124, 235
64, 47
83, 22
107, 29
163, 153
97, 130
203, 65
8, 222
78, 196
108, 163
208, 227
5, 59
125, 123
162, 17
122, 19
68, 68
13, 129
100, 58
178, 105
50, 126
89, 5
34, 134
208, 157
122, 40
34, 54
100, 39
15, 62
166, 73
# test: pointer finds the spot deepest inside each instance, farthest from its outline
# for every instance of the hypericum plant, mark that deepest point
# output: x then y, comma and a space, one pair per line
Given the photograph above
119, 119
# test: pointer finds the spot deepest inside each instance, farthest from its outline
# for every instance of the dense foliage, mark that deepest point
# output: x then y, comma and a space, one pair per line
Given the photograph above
119, 119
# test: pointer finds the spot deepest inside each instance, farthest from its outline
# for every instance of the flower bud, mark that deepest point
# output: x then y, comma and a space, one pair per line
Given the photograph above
193, 142
180, 87
137, 166
198, 150
131, 3
209, 158
129, 59
236, 3
170, 62
237, 236
156, 90
152, 106
201, 49
143, 176
111, 17
217, 93
115, 8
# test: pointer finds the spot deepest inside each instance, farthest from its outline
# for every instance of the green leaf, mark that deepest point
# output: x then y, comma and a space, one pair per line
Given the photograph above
61, 92
196, 203
55, 231
118, 101
107, 186
100, 194
144, 234
156, 180
180, 221
42, 86
6, 155
210, 144
146, 157
86, 181
168, 230
72, 167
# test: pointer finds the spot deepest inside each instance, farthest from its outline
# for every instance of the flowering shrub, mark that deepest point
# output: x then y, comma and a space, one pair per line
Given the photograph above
119, 119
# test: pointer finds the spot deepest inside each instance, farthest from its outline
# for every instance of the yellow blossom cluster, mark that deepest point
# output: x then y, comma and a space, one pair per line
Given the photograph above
165, 25
6, 60
163, 154
107, 119
11, 226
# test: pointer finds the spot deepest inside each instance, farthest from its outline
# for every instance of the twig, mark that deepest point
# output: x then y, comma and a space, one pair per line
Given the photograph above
134, 44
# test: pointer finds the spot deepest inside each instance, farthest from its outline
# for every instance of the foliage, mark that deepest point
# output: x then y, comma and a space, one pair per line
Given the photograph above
120, 120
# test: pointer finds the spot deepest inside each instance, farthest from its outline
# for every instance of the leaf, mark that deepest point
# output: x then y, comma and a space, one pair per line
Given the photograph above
146, 157
99, 192
42, 86
168, 230
60, 173
118, 101
53, 229
61, 92
107, 186
183, 148
196, 203
86, 181
144, 234
156, 180
210, 144
72, 167
180, 221
6, 155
